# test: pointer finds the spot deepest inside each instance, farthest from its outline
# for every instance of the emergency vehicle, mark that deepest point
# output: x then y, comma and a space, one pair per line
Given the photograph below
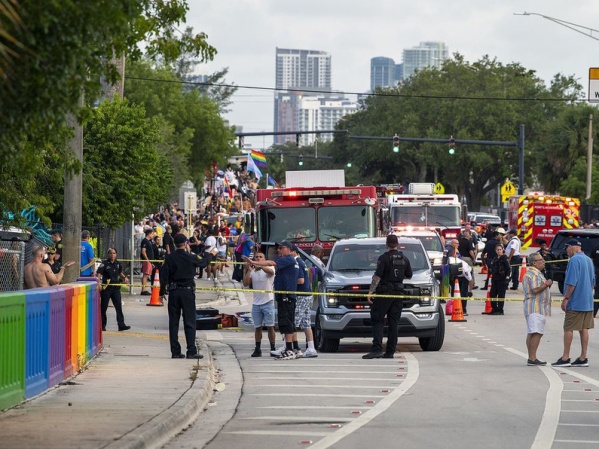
311, 215
536, 215
420, 209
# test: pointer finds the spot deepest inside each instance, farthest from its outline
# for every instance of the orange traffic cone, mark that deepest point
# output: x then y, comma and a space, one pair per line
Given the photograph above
522, 269
155, 298
457, 313
488, 306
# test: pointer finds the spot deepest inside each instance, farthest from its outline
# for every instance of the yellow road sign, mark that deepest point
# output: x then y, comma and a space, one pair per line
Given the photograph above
508, 188
439, 188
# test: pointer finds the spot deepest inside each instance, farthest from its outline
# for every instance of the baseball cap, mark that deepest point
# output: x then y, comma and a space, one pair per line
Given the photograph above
295, 248
392, 240
512, 231
180, 238
501, 230
286, 244
574, 242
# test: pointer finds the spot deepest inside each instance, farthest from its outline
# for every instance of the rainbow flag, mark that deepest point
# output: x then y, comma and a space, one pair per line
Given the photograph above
259, 158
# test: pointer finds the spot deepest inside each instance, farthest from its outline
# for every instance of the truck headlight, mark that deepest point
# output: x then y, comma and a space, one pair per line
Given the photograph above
332, 301
425, 296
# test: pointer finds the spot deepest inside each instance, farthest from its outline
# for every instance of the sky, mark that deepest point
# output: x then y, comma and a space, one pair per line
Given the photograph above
247, 32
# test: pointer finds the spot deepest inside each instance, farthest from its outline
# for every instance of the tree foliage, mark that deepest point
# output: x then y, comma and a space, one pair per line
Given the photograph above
66, 48
479, 101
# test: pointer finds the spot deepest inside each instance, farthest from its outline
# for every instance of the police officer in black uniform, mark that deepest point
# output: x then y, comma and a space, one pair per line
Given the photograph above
595, 258
178, 274
111, 273
391, 269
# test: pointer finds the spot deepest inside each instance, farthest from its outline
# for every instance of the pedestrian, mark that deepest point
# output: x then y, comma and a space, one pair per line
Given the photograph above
210, 248
53, 261
110, 273
463, 274
489, 254
303, 306
466, 248
545, 252
262, 280
512, 251
537, 306
500, 270
595, 259
285, 284
39, 274
88, 261
57, 239
391, 269
147, 256
177, 276
317, 253
167, 239
577, 303
243, 249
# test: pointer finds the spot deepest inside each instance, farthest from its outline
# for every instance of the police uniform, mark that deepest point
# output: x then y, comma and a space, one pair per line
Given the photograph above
392, 268
595, 258
110, 273
178, 274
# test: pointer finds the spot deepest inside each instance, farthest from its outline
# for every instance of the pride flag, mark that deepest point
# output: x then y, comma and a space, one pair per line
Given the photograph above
271, 181
259, 158
253, 167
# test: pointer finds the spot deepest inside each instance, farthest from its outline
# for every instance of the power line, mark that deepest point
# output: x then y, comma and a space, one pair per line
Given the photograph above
370, 94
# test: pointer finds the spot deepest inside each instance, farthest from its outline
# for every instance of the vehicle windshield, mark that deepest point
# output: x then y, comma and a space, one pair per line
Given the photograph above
294, 224
430, 243
357, 257
590, 243
339, 222
427, 215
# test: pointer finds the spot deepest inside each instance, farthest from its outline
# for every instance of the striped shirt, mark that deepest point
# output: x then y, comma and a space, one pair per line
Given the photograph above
535, 302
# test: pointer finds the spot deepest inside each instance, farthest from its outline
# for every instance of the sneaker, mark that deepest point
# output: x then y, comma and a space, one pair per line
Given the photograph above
286, 355
388, 356
124, 328
373, 355
298, 353
278, 352
513, 288
484, 288
579, 362
561, 362
475, 287
309, 353
536, 362
194, 356
146, 293
257, 352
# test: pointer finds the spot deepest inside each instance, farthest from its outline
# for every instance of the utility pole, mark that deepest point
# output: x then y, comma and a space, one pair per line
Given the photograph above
590, 159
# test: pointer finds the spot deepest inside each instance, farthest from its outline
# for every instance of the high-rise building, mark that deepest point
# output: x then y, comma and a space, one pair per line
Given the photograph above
297, 69
382, 72
321, 113
427, 54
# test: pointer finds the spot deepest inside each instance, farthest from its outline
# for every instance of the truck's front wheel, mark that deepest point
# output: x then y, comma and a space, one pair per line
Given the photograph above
324, 344
435, 342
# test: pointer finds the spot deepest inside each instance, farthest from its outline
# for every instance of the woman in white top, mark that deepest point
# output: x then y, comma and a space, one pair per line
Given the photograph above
209, 246
221, 257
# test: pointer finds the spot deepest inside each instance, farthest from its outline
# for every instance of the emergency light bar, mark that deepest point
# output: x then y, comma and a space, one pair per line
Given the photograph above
301, 193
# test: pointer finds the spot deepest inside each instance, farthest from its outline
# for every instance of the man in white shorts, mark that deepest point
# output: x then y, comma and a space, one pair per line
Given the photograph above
263, 307
537, 306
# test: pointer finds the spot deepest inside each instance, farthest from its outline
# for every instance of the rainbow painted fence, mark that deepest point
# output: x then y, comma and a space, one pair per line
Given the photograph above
46, 335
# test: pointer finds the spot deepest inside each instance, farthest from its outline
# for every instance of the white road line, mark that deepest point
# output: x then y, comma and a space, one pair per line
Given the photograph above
412, 377
316, 407
316, 364
579, 400
322, 378
317, 372
580, 376
320, 395
580, 425
363, 387
279, 433
550, 420
578, 441
312, 419
580, 411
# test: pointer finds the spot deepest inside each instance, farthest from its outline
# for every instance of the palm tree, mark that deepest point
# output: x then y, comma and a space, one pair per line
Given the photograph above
9, 19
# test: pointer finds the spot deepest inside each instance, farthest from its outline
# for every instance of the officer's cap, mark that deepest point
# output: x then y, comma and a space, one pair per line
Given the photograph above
180, 239
286, 244
574, 242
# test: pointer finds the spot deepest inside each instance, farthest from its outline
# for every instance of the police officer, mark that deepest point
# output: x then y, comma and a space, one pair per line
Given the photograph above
391, 269
111, 273
178, 273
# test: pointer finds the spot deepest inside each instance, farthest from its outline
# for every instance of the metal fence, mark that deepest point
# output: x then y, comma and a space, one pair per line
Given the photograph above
12, 264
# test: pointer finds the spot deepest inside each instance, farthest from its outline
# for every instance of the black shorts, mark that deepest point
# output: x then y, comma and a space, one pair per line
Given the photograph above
285, 313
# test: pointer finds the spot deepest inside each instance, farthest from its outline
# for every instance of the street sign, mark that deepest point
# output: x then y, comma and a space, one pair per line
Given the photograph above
507, 190
594, 85
439, 189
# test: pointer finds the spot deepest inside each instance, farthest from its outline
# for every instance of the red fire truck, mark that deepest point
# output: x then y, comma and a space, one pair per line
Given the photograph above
310, 215
536, 215
421, 209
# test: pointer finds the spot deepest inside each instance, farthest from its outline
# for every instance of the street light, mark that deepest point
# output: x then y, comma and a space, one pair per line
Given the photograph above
572, 26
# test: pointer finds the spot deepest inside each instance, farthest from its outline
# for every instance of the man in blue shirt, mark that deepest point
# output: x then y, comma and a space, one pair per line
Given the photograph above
285, 286
577, 303
88, 262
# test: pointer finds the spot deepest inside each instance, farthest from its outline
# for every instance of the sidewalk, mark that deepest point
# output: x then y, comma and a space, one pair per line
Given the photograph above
132, 395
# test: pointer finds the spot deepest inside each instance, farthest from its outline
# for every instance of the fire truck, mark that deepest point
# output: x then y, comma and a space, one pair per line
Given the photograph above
536, 216
420, 209
311, 215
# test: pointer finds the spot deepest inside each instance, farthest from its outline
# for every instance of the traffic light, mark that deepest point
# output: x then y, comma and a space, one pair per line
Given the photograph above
451, 145
349, 165
300, 160
396, 143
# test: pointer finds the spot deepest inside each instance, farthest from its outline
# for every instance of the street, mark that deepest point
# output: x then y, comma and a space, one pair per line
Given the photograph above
477, 391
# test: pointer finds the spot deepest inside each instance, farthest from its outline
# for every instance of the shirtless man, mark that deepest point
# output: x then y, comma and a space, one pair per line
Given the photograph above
39, 274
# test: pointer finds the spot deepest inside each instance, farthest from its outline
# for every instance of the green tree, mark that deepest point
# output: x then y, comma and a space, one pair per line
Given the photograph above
123, 170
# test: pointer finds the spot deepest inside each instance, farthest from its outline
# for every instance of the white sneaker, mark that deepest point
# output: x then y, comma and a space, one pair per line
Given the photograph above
310, 353
298, 353
277, 352
287, 355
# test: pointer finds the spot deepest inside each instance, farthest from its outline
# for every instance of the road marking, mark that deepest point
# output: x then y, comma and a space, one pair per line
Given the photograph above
318, 395
580, 376
580, 425
577, 441
316, 372
384, 404
278, 433
316, 407
319, 378
580, 411
312, 419
550, 420
364, 387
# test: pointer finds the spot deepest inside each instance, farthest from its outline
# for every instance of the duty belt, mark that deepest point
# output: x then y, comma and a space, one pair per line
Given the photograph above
181, 287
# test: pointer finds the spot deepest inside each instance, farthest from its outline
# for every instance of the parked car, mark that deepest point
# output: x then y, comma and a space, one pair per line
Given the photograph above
432, 244
479, 217
348, 275
590, 246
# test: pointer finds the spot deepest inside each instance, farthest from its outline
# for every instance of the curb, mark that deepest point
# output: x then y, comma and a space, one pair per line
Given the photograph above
161, 429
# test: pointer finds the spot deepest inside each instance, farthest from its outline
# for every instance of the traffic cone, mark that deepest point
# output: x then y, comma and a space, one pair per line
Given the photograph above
522, 268
457, 313
488, 306
155, 298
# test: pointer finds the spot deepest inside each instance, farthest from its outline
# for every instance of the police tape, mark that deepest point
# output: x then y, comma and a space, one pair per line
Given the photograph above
347, 294
161, 261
